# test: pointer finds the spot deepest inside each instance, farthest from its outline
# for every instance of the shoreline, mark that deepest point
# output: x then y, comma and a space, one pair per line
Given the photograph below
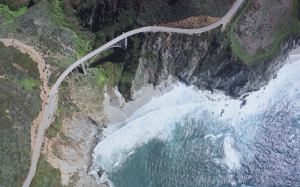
265, 92
295, 52
118, 110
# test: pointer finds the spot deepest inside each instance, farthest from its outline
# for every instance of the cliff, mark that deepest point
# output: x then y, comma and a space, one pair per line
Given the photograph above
224, 60
240, 59
205, 61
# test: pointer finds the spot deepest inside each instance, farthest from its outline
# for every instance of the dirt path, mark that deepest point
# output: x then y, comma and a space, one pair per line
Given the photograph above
52, 100
35, 56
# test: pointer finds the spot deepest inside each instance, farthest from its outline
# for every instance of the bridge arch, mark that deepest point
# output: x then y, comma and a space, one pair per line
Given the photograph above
52, 100
85, 65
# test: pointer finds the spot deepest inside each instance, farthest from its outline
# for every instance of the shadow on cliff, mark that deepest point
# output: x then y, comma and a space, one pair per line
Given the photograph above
117, 56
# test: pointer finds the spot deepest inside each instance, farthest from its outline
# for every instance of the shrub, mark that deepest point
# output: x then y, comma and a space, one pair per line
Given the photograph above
10, 15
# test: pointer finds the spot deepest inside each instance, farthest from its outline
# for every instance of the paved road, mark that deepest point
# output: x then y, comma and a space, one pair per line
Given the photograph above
52, 101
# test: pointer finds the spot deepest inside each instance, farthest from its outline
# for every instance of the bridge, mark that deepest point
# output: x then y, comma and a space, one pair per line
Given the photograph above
84, 65
85, 61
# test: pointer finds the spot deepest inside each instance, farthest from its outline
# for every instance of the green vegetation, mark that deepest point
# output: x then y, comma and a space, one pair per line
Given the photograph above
65, 109
107, 69
55, 151
118, 69
9, 15
82, 47
59, 15
27, 84
281, 31
60, 18
74, 178
100, 78
62, 136
61, 109
17, 111
46, 175
130, 67
128, 76
113, 72
17, 4
55, 128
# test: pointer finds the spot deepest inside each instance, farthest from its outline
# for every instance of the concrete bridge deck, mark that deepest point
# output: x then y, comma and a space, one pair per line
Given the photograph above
52, 100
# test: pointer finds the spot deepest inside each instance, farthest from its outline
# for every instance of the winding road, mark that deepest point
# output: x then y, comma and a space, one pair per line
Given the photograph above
52, 100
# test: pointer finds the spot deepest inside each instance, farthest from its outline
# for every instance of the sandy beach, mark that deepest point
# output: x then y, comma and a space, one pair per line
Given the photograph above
295, 51
117, 110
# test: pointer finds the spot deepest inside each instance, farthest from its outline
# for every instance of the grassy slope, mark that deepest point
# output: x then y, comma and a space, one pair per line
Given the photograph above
60, 18
248, 58
8, 15
19, 106
46, 175
15, 152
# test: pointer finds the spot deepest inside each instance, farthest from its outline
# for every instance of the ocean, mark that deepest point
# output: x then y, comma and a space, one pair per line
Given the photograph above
189, 137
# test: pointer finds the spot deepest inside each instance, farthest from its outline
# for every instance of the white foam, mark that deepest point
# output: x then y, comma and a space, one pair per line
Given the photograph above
213, 137
157, 124
232, 157
157, 119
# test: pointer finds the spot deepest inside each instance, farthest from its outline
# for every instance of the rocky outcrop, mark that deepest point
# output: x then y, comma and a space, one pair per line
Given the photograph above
98, 14
71, 151
205, 61
37, 28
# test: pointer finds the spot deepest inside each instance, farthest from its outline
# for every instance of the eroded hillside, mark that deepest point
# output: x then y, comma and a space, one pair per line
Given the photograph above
64, 31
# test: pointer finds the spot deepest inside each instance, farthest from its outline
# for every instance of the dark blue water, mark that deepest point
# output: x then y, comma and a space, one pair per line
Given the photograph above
181, 139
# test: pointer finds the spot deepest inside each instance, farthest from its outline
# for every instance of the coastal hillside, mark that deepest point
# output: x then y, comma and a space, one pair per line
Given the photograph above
236, 58
20, 105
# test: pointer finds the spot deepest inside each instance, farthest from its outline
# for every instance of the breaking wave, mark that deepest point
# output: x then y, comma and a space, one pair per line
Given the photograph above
191, 137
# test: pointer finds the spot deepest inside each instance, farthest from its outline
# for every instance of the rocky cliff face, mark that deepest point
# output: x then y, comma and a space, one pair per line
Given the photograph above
71, 151
100, 13
205, 61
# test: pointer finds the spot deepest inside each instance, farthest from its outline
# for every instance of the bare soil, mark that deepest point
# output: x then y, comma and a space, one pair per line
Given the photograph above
191, 22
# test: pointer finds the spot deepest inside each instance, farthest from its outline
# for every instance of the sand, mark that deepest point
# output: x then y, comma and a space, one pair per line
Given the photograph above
117, 110
294, 54
295, 51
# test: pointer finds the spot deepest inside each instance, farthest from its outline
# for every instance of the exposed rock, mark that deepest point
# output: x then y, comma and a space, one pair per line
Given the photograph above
100, 173
37, 28
73, 150
244, 102
205, 61
191, 22
98, 14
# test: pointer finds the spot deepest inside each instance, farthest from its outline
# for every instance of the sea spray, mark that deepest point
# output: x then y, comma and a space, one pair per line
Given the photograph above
190, 133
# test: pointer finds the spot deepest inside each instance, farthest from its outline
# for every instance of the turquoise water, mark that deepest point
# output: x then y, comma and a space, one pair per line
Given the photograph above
184, 139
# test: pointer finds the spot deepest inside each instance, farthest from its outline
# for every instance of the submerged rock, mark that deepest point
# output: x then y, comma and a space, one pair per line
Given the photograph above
243, 103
